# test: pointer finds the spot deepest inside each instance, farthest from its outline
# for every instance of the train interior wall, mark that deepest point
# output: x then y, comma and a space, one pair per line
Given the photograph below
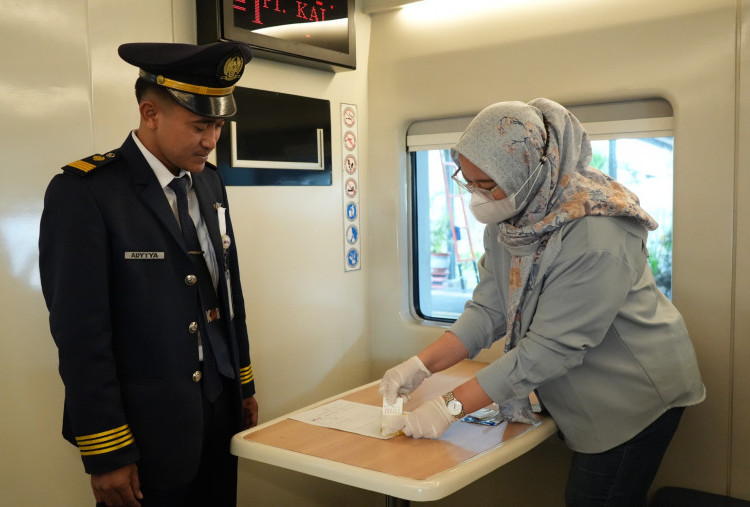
317, 330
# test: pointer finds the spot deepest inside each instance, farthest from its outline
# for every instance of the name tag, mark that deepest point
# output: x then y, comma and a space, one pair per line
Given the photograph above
144, 255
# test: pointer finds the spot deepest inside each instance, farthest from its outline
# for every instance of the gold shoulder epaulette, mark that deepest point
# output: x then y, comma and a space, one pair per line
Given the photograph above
87, 165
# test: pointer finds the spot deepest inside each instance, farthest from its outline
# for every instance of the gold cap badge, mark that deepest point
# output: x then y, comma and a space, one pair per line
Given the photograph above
233, 68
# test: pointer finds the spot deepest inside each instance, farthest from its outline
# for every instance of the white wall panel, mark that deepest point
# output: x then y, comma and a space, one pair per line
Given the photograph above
740, 410
46, 122
111, 23
308, 319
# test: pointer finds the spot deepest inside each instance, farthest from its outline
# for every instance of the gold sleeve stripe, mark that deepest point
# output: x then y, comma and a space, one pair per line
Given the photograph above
246, 374
108, 438
106, 441
81, 165
83, 439
109, 449
104, 445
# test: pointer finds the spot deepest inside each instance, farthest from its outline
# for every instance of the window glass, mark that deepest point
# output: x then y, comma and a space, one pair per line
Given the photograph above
447, 242
644, 165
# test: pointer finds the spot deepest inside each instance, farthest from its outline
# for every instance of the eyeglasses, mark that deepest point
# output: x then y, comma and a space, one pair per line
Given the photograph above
488, 193
473, 188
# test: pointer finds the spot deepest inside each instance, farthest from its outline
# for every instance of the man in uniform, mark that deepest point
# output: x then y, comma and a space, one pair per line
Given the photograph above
140, 274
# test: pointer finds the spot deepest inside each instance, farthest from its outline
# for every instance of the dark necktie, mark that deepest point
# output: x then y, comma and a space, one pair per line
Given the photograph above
189, 234
207, 293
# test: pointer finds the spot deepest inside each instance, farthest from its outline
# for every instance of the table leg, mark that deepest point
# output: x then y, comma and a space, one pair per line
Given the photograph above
392, 501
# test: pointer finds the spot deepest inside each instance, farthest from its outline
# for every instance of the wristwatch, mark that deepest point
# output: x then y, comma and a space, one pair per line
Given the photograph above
455, 408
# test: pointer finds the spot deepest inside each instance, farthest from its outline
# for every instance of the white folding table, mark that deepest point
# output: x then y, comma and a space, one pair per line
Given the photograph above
402, 468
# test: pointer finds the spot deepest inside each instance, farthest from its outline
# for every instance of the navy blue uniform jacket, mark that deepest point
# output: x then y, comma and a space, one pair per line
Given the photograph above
113, 270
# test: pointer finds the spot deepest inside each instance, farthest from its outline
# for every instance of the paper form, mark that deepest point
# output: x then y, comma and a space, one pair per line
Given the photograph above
346, 416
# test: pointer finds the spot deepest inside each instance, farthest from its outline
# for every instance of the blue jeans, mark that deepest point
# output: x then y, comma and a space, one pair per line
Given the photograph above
621, 476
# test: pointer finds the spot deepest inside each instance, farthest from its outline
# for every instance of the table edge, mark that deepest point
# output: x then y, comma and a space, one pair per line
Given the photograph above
434, 487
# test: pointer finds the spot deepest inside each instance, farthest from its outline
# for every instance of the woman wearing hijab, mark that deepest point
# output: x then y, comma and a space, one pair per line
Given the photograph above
565, 280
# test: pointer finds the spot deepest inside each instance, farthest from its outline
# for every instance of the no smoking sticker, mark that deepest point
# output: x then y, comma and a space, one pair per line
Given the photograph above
349, 116
350, 140
350, 187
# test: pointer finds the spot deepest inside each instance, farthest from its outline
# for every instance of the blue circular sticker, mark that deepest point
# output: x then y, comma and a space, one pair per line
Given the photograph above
352, 257
352, 234
351, 211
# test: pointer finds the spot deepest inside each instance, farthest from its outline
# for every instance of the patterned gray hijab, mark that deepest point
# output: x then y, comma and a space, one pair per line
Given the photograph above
506, 141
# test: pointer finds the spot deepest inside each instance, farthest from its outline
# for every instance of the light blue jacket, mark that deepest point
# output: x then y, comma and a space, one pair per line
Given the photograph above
607, 352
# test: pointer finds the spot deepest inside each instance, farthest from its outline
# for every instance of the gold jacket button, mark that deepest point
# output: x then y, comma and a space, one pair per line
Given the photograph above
197, 376
191, 280
193, 327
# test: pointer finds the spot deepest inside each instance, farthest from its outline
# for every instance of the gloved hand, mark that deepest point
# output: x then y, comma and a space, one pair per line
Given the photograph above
429, 420
403, 379
391, 425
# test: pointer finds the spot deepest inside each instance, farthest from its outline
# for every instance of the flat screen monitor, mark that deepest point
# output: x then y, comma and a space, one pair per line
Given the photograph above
314, 33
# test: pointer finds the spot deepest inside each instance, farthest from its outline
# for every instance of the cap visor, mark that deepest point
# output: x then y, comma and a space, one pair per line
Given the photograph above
222, 106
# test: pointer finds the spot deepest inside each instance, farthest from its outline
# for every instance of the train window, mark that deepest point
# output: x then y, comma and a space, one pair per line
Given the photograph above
631, 141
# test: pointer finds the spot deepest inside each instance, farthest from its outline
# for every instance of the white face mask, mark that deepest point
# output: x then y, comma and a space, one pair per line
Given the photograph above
488, 211
491, 212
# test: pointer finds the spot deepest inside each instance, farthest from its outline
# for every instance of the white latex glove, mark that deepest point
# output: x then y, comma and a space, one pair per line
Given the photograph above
392, 424
429, 420
403, 379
